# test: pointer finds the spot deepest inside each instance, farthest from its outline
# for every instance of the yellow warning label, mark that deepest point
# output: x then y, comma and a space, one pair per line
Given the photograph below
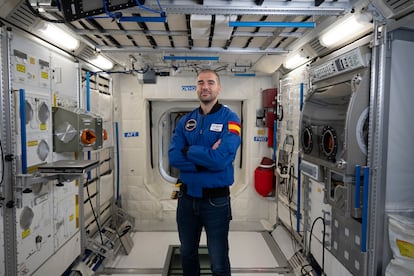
21, 68
32, 143
43, 126
25, 233
32, 60
44, 75
406, 248
77, 210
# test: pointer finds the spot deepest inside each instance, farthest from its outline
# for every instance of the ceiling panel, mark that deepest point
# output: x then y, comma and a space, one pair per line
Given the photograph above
147, 41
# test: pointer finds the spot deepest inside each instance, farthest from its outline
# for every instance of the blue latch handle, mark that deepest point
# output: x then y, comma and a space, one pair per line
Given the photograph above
365, 211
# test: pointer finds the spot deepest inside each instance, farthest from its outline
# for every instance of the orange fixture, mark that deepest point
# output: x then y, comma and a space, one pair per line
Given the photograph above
88, 137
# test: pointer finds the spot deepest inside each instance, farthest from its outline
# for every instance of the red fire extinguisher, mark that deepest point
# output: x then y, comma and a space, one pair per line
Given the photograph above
264, 178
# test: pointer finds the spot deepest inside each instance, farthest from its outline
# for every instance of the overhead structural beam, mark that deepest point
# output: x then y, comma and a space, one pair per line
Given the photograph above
259, 2
212, 50
178, 33
288, 8
213, 58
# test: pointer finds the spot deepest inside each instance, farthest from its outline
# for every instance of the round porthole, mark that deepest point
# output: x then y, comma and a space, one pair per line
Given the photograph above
26, 218
43, 150
307, 143
362, 128
43, 112
329, 142
29, 112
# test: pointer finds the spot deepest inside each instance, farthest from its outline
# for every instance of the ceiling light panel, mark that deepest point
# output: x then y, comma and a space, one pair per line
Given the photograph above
59, 37
347, 30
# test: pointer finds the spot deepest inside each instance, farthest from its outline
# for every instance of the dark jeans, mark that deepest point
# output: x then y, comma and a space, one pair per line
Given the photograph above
214, 214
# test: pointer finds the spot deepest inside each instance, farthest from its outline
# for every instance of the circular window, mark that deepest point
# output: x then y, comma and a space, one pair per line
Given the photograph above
362, 128
307, 143
329, 141
43, 112
26, 217
29, 112
43, 150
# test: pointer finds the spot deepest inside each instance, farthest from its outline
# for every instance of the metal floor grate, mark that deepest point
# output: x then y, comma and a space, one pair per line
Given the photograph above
173, 261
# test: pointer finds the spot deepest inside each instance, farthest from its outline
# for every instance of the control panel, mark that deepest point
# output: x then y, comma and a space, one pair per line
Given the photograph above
348, 61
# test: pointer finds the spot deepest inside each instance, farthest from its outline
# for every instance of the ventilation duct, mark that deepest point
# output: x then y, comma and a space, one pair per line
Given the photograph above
221, 27
201, 26
268, 63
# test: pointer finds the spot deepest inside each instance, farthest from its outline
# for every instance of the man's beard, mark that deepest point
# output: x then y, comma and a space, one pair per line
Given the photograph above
207, 100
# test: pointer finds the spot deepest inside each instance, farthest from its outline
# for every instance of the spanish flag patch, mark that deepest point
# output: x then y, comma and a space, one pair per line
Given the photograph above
234, 127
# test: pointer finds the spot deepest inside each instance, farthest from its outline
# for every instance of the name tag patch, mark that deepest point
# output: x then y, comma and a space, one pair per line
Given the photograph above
216, 127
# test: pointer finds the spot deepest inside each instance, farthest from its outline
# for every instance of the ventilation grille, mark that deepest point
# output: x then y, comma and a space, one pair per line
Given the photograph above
317, 46
400, 8
298, 264
311, 170
396, 8
86, 53
22, 17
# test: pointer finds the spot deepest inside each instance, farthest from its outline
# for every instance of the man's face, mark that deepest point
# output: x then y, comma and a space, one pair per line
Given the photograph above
208, 87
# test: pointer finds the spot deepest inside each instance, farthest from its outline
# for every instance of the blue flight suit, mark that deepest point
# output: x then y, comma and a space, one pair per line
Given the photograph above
206, 174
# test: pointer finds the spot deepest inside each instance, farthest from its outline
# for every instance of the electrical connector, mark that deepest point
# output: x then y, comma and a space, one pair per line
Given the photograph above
315, 266
174, 195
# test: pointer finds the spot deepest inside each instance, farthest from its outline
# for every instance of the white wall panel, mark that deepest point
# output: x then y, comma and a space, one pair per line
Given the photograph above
400, 132
142, 186
65, 80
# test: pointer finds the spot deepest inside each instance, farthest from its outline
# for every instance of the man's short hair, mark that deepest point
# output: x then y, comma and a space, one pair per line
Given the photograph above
210, 71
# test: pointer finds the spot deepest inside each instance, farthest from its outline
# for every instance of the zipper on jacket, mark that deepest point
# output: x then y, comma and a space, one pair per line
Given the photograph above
202, 125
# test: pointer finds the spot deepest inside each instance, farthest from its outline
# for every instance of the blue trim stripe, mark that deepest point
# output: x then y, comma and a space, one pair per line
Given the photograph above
23, 138
245, 75
191, 58
143, 19
117, 164
365, 211
272, 24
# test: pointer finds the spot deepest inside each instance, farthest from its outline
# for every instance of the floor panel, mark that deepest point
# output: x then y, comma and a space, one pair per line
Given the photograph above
248, 252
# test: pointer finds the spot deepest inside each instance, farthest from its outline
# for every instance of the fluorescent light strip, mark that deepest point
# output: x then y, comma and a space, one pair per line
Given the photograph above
345, 31
102, 62
59, 37
191, 58
295, 60
272, 24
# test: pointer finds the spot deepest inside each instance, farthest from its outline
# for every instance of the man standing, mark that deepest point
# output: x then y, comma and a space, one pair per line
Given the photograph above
203, 148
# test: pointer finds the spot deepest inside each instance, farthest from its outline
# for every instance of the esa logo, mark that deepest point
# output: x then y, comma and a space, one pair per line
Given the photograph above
260, 139
131, 134
188, 88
